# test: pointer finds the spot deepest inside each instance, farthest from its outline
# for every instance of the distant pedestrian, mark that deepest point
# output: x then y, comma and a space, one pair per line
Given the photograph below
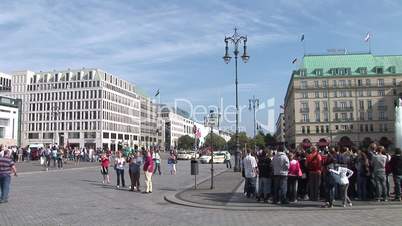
265, 176
105, 168
119, 163
148, 170
134, 171
60, 155
227, 160
396, 170
7, 167
313, 162
250, 173
77, 156
378, 163
172, 160
343, 174
157, 160
293, 176
280, 165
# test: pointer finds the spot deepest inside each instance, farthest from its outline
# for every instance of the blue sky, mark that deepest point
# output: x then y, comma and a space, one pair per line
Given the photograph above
177, 46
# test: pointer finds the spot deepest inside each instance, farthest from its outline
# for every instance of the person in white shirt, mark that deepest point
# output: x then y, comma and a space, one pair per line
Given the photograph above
342, 176
250, 174
119, 163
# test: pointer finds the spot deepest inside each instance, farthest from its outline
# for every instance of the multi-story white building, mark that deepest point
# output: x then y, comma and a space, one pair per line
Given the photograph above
280, 128
10, 124
5, 82
84, 107
177, 124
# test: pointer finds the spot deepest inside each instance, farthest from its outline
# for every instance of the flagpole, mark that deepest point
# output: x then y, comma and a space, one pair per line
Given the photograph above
304, 48
370, 45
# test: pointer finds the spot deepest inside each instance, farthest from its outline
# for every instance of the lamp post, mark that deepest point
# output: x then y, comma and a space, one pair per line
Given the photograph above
55, 113
253, 104
236, 40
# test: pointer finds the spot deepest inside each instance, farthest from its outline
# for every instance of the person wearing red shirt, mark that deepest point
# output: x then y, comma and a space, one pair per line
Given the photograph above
105, 168
314, 171
148, 170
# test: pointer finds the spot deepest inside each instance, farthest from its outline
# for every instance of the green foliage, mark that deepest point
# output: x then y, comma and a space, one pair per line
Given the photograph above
218, 143
185, 142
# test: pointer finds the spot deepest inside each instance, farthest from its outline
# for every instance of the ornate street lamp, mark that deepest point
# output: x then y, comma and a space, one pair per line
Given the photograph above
253, 105
236, 40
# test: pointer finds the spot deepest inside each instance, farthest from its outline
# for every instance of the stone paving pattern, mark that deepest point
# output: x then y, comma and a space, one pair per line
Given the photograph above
77, 197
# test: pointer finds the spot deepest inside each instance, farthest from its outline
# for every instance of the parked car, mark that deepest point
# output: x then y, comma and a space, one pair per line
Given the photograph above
219, 157
183, 155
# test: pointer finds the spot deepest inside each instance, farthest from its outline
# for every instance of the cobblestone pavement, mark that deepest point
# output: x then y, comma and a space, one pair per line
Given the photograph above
77, 197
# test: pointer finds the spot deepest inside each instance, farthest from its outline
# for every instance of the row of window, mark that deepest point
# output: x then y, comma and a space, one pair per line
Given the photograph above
63, 85
342, 105
348, 71
343, 83
70, 95
345, 128
61, 126
344, 116
75, 115
47, 77
343, 93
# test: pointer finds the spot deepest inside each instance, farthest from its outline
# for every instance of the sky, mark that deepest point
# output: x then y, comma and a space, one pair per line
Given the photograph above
177, 46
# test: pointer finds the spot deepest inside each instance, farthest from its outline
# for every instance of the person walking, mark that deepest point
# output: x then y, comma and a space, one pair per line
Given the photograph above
280, 165
172, 163
395, 165
157, 160
313, 162
227, 160
105, 168
148, 170
293, 177
378, 162
134, 170
119, 163
343, 174
60, 155
7, 167
265, 176
77, 156
250, 173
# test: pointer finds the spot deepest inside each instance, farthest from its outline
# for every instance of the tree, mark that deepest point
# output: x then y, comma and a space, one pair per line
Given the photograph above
270, 141
218, 143
185, 142
243, 140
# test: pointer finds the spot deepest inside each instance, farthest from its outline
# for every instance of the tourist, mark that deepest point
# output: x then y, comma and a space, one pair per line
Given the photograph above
6, 167
293, 176
265, 176
227, 160
134, 171
378, 162
331, 162
148, 170
60, 154
172, 163
77, 156
105, 168
313, 162
396, 169
157, 160
343, 174
250, 173
363, 173
280, 165
119, 163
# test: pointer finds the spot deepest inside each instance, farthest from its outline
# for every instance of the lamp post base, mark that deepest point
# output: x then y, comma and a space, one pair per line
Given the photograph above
237, 167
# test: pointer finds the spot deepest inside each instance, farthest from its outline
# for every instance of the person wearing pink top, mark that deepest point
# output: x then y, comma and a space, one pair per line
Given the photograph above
293, 176
148, 169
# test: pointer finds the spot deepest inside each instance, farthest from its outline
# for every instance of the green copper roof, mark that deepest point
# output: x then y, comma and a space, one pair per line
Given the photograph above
351, 63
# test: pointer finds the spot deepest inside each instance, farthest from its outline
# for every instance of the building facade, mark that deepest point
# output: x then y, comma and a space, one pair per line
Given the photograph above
81, 108
10, 123
177, 124
150, 134
342, 99
5, 82
280, 128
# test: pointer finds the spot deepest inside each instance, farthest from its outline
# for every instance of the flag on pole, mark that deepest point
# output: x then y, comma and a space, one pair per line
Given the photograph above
294, 60
302, 38
368, 36
157, 93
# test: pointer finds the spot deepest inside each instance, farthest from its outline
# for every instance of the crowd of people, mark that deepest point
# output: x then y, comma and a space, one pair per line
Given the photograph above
317, 174
147, 160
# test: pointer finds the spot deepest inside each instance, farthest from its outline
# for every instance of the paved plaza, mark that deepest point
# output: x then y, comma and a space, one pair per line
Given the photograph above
77, 197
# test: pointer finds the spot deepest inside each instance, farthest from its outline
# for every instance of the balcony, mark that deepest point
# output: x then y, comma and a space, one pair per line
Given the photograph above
304, 110
342, 109
382, 107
